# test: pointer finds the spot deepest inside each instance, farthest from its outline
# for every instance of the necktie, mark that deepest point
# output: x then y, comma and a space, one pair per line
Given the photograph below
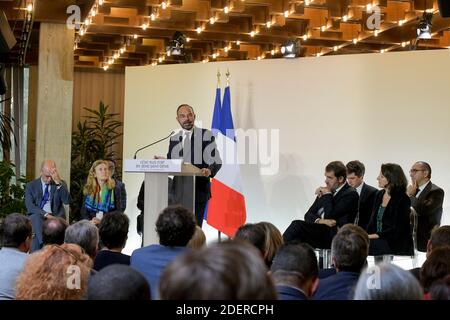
45, 197
187, 148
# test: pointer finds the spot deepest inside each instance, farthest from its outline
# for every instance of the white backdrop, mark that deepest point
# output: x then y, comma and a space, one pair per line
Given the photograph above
376, 108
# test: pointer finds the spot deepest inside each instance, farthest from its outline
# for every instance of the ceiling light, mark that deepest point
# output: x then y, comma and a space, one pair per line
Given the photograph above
144, 26
199, 30
252, 34
212, 20
163, 5
152, 17
355, 41
272, 52
30, 7
268, 24
345, 18
135, 36
376, 33
424, 27
290, 49
100, 2
226, 9
286, 14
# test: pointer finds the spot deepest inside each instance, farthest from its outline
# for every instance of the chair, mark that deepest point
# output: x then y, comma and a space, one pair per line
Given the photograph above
323, 258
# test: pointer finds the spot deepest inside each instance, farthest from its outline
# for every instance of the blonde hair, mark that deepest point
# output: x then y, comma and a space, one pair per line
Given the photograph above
45, 275
92, 186
198, 240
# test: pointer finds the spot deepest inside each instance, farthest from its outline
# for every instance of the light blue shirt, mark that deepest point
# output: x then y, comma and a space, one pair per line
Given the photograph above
12, 262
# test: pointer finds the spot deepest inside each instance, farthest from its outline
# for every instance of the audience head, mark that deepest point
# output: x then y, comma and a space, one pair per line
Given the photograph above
420, 172
231, 270
355, 173
392, 178
387, 281
98, 174
175, 226
84, 234
198, 240
113, 230
111, 167
118, 282
53, 231
349, 248
274, 240
440, 289
335, 175
55, 273
16, 232
296, 265
254, 234
440, 237
436, 267
47, 169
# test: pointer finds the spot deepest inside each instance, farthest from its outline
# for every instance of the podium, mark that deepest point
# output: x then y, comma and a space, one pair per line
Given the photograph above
156, 195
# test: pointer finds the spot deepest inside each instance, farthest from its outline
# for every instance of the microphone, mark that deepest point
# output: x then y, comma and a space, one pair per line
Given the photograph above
153, 143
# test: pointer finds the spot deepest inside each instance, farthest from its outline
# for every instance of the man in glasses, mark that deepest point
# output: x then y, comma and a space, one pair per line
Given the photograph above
426, 199
45, 198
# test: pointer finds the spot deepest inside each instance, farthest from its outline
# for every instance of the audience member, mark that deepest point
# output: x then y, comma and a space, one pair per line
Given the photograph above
118, 282
254, 234
355, 178
198, 240
335, 205
175, 227
101, 194
53, 231
389, 227
274, 240
16, 239
113, 231
440, 237
84, 234
45, 198
436, 267
387, 281
427, 199
55, 273
440, 289
295, 272
231, 270
349, 250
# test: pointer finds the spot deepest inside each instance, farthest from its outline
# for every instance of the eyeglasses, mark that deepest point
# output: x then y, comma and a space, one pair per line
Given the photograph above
415, 170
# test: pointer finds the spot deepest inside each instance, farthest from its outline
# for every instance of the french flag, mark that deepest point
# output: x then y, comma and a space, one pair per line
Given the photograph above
226, 208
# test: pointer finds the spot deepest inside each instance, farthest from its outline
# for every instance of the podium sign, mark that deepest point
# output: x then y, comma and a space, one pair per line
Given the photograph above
154, 165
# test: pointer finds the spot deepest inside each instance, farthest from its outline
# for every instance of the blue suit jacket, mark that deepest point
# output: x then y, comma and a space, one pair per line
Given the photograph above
151, 261
33, 196
290, 293
337, 287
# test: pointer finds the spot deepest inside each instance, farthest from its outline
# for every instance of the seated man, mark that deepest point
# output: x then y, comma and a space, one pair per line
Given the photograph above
335, 205
349, 251
295, 272
17, 238
175, 227
427, 199
45, 198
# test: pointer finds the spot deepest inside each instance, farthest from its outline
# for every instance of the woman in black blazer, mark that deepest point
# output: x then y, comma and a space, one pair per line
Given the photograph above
389, 227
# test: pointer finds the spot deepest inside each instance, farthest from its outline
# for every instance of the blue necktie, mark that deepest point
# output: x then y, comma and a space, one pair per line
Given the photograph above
45, 197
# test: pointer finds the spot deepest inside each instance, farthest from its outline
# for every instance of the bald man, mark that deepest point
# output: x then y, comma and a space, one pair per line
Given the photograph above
44, 199
427, 199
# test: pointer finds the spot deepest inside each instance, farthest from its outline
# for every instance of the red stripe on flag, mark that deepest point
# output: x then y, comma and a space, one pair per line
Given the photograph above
226, 208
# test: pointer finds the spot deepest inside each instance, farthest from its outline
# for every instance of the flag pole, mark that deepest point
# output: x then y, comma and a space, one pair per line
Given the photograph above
219, 234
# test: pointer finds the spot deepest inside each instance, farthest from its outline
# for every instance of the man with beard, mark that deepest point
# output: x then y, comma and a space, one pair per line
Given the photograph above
198, 147
336, 204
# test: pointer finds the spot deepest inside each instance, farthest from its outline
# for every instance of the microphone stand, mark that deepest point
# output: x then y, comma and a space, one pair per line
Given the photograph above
151, 144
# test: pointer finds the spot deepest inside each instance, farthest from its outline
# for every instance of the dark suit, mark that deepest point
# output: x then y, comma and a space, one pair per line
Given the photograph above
33, 197
201, 139
119, 203
366, 200
290, 293
429, 210
340, 286
396, 226
342, 207
120, 187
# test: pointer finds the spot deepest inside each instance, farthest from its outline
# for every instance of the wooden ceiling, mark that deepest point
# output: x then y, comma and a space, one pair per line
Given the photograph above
220, 30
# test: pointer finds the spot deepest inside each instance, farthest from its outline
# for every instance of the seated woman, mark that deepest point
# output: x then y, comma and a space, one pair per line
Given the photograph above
389, 227
100, 193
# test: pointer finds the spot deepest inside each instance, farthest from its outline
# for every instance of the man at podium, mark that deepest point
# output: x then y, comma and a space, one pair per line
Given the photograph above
198, 147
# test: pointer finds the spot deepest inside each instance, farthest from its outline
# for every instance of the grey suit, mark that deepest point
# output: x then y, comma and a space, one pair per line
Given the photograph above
12, 264
33, 196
